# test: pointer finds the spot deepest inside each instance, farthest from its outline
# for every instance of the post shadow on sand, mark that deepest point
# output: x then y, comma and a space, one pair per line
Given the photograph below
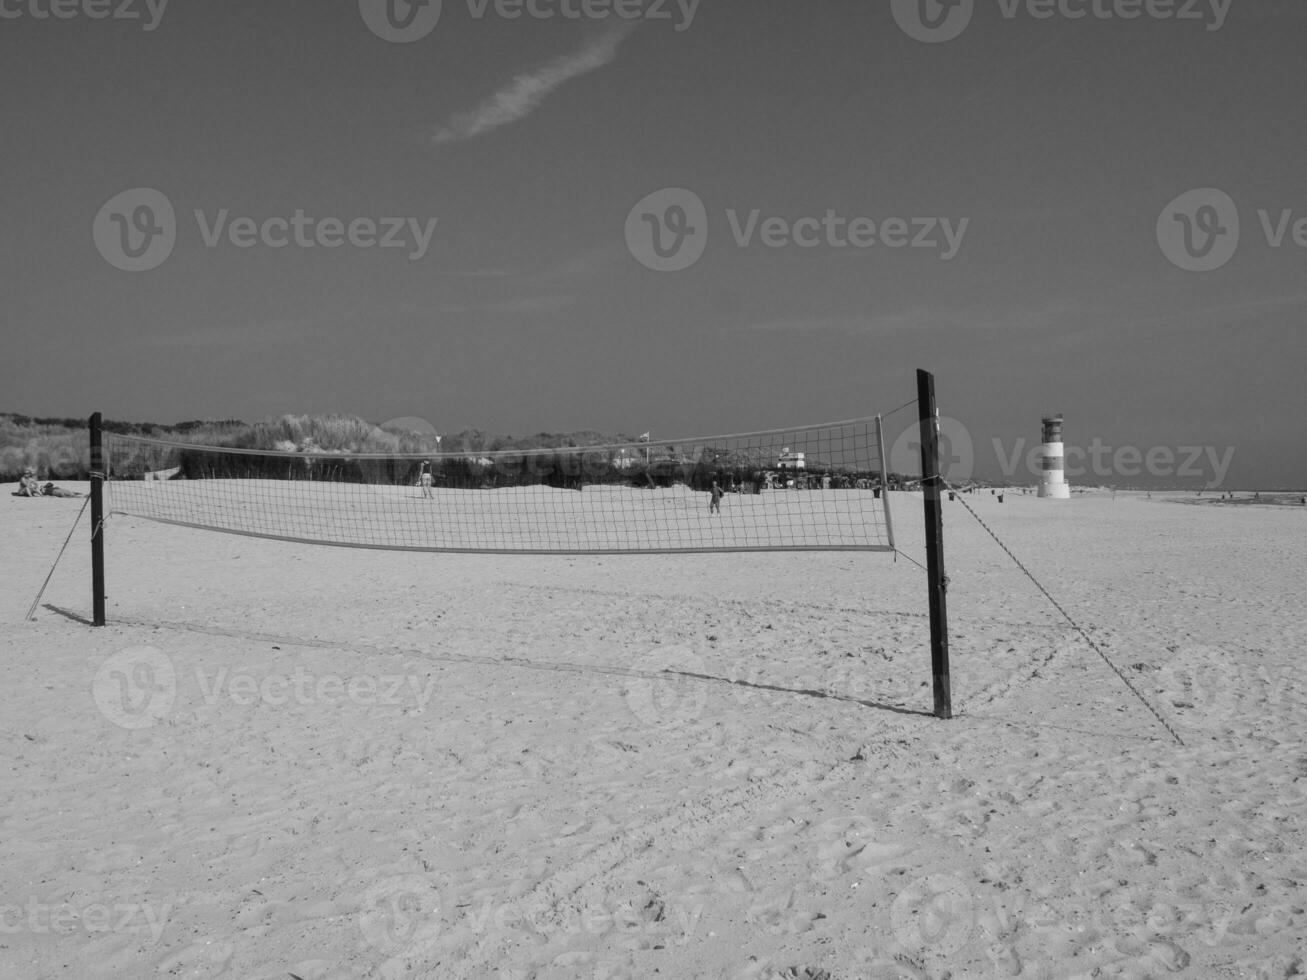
804, 692
532, 665
67, 614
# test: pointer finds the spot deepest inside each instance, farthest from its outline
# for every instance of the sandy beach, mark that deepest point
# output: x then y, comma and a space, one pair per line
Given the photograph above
281, 760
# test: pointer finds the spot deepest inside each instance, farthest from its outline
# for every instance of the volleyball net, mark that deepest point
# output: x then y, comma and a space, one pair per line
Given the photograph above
809, 488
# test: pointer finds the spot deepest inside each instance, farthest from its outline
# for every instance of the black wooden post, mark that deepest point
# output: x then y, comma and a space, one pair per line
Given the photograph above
936, 584
98, 475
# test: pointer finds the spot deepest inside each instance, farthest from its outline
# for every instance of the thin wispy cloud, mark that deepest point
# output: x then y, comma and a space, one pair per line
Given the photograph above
526, 92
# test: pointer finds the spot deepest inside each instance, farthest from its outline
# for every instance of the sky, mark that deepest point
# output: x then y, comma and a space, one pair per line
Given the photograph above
682, 217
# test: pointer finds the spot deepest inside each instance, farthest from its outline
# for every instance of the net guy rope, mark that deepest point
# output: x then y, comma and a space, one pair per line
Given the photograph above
1067, 616
31, 611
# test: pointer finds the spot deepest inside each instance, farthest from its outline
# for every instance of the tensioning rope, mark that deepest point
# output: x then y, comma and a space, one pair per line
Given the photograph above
1058, 606
37, 601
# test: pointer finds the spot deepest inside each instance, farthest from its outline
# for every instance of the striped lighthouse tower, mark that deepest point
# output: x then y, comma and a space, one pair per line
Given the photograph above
1052, 478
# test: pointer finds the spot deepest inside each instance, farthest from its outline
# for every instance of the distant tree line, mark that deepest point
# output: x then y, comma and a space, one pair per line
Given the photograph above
350, 450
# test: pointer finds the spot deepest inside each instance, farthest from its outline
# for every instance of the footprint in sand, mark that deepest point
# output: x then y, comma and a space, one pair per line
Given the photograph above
898, 968
935, 913
1154, 950
205, 958
115, 857
776, 913
850, 845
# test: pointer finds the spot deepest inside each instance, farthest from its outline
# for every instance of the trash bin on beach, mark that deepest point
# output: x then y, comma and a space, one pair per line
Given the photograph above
952, 495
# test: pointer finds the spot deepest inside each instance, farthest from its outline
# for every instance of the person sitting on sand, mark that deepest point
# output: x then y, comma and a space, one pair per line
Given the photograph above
27, 486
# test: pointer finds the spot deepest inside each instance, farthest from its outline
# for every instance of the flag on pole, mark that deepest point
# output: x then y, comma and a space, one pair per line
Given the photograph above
645, 437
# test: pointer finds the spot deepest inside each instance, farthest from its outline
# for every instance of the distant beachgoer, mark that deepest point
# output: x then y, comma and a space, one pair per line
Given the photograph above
27, 486
425, 479
715, 504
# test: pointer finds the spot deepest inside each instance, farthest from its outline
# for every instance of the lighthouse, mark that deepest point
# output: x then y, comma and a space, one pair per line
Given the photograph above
1052, 478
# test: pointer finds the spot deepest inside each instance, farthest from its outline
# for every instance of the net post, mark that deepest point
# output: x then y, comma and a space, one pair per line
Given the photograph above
884, 484
97, 519
936, 582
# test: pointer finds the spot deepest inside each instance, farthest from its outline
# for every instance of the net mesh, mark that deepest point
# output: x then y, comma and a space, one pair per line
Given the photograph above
814, 488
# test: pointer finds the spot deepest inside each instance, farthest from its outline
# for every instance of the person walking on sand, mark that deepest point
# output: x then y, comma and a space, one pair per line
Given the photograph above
715, 504
425, 478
